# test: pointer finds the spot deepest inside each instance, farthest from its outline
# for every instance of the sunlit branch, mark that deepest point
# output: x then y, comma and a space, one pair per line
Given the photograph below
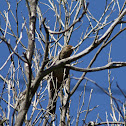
110, 65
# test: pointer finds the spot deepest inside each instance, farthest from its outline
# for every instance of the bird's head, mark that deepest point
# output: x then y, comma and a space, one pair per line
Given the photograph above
66, 52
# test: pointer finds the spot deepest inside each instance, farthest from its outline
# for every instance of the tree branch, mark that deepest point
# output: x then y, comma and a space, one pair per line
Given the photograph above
77, 20
110, 65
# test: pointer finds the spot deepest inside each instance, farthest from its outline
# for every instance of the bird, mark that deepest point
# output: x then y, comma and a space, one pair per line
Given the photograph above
57, 77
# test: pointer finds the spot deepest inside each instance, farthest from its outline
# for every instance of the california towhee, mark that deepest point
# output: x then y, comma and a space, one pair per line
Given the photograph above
57, 77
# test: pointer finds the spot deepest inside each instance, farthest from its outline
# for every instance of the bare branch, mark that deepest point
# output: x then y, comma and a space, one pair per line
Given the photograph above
77, 20
110, 65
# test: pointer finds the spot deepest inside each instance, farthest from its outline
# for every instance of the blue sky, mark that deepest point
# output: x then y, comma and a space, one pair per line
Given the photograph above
118, 52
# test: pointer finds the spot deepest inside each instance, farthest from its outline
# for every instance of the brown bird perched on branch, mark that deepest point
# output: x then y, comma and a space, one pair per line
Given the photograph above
58, 76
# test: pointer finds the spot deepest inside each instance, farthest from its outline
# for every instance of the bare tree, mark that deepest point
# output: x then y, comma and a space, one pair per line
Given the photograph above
36, 35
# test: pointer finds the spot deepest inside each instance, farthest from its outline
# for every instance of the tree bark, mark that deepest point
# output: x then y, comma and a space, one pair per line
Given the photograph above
25, 104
